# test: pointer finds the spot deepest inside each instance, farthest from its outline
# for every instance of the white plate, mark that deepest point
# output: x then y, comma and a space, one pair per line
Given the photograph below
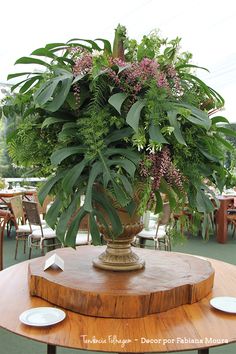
224, 303
42, 316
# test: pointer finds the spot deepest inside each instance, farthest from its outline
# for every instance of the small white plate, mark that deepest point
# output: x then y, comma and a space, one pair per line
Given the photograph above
42, 316
224, 303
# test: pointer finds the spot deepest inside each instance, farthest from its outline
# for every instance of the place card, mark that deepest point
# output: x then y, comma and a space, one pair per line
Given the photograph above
54, 262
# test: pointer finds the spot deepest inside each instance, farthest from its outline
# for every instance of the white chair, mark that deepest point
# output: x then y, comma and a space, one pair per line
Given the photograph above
158, 234
83, 236
39, 238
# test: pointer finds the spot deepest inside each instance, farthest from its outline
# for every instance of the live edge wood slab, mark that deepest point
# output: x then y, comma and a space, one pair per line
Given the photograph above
168, 280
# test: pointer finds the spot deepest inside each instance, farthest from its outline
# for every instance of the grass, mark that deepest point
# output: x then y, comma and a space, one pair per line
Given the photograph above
13, 344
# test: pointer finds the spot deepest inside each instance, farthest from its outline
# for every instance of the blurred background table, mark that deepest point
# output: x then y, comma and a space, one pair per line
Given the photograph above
221, 217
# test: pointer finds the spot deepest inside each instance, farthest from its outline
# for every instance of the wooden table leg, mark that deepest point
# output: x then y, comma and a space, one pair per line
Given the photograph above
221, 220
51, 349
203, 351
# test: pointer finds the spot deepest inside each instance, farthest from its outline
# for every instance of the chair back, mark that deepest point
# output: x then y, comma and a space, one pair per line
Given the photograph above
17, 209
32, 213
5, 216
47, 201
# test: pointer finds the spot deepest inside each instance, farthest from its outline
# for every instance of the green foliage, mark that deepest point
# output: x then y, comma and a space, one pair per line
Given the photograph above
97, 118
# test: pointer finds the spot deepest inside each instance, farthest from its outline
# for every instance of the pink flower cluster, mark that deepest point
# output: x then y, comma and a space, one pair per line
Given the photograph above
161, 166
83, 64
117, 61
132, 79
172, 74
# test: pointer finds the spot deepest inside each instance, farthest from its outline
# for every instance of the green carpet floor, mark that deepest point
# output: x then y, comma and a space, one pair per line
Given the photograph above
13, 344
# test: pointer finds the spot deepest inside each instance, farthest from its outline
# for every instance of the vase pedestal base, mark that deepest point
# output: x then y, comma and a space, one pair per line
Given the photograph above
119, 257
102, 263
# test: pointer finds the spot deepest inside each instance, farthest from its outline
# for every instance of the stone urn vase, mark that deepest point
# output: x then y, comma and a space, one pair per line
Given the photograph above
119, 254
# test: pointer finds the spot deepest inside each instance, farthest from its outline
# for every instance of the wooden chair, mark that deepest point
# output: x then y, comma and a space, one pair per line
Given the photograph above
231, 219
43, 208
5, 216
38, 238
22, 228
6, 207
158, 235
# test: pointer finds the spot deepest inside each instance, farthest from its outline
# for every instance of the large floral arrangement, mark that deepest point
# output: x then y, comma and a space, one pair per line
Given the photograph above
133, 119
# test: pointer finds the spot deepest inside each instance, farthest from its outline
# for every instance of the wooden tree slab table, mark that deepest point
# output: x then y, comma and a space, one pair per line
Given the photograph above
168, 280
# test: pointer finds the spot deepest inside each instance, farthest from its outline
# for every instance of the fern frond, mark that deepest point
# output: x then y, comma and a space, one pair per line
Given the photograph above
100, 96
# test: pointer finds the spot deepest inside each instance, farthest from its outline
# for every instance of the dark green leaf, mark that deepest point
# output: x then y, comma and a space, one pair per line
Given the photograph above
95, 172
172, 116
225, 142
54, 45
106, 178
127, 185
121, 196
67, 134
53, 212
59, 155
92, 43
52, 120
116, 224
18, 84
12, 76
69, 125
101, 219
159, 203
166, 189
67, 214
65, 60
44, 52
94, 230
72, 176
60, 96
217, 96
205, 170
29, 83
183, 66
226, 131
205, 225
204, 204
219, 119
131, 208
208, 155
45, 92
117, 100
60, 84
28, 60
46, 188
129, 154
74, 228
156, 135
118, 135
133, 115
198, 117
213, 196
107, 45
126, 164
